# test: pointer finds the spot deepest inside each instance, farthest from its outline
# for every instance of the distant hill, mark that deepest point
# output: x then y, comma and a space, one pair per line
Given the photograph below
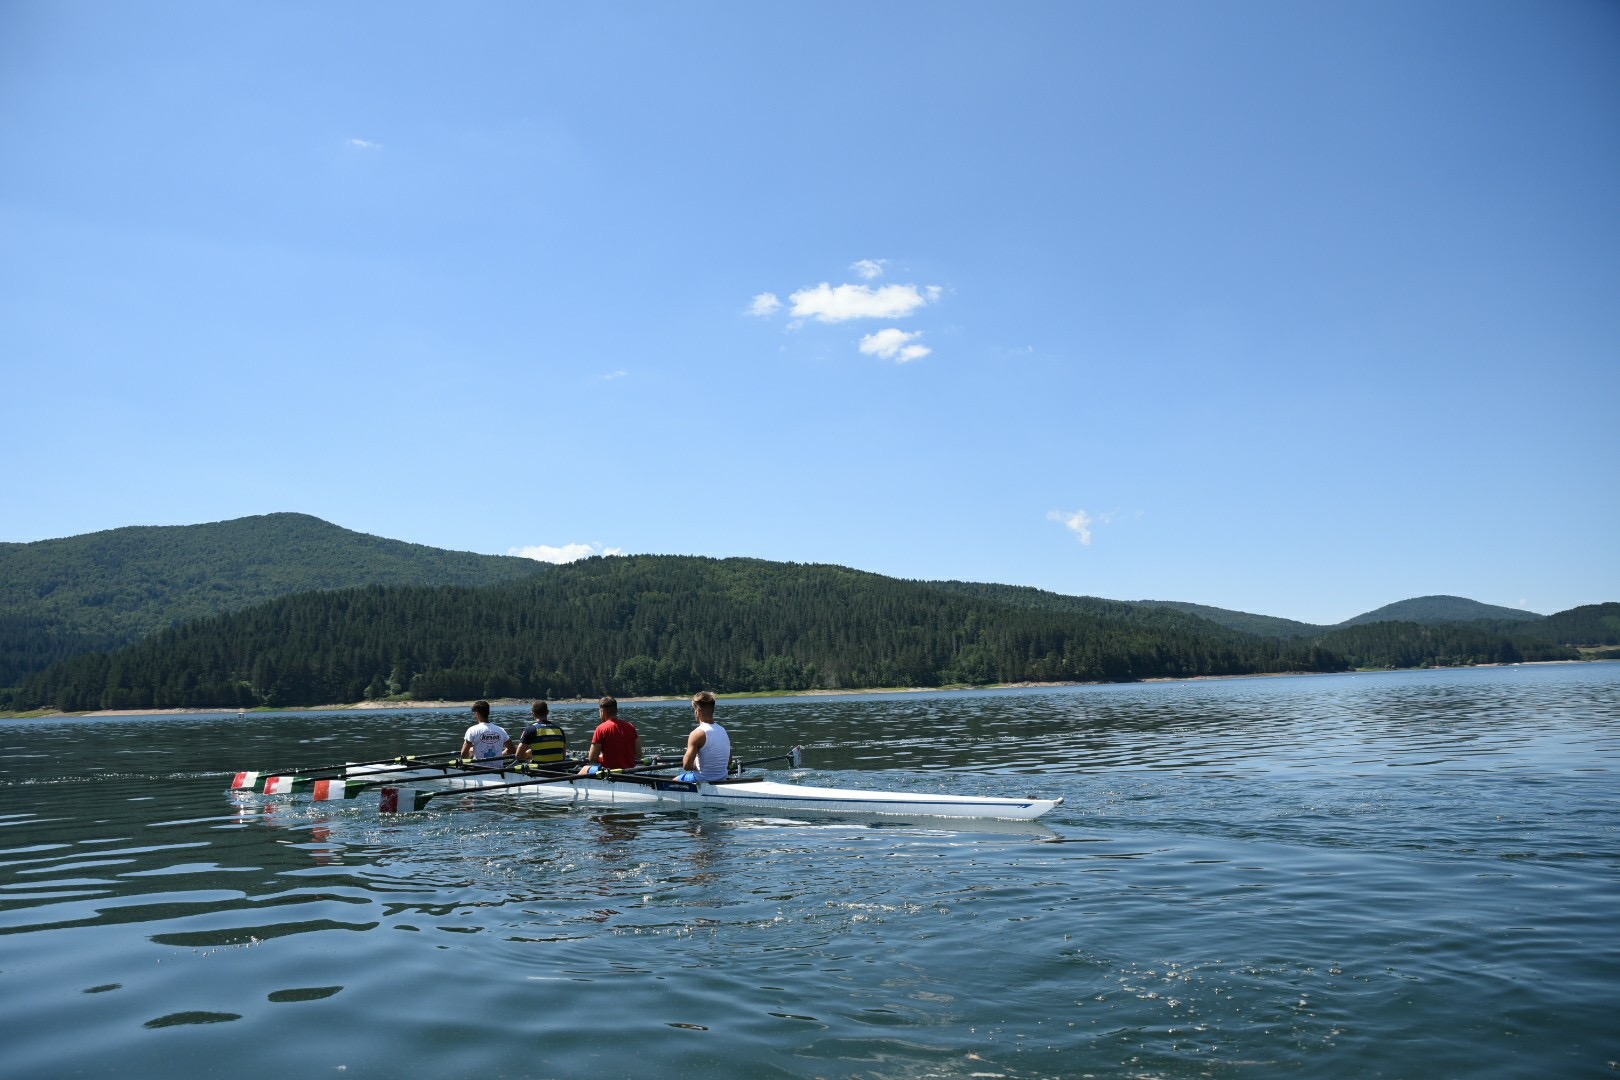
1590, 625
102, 590
1438, 610
1264, 625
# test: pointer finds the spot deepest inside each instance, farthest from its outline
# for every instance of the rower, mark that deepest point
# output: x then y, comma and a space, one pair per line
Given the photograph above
708, 747
484, 742
542, 741
615, 744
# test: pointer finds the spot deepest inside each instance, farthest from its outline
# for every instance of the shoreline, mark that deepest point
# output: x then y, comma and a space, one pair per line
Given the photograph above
379, 706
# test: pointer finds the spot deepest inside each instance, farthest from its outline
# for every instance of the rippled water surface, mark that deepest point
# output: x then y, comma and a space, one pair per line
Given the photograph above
1402, 874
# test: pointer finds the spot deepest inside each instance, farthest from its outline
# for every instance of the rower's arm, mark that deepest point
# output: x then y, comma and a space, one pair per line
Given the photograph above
694, 743
466, 749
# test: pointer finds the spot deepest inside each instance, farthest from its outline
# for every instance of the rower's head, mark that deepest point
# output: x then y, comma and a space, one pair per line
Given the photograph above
539, 709
703, 702
481, 709
609, 706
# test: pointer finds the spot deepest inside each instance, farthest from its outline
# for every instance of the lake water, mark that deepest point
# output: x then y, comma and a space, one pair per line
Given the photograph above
1396, 874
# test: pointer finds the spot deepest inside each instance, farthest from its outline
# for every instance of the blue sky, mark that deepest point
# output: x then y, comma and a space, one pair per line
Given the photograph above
1294, 308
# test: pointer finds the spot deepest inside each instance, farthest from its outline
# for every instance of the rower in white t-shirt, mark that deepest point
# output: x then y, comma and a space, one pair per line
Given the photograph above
484, 742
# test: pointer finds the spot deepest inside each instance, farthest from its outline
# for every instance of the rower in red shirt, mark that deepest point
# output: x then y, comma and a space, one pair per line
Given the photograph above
615, 744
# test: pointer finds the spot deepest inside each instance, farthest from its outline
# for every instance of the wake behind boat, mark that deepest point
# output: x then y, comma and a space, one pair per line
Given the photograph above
407, 783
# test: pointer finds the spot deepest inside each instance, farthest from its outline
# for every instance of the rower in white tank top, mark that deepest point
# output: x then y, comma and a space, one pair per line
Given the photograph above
708, 748
714, 756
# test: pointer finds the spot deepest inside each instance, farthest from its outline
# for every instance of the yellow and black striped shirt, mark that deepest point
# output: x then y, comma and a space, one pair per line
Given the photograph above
546, 742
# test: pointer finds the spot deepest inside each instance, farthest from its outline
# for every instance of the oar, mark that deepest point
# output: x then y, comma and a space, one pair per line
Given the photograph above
795, 756
398, 800
347, 787
255, 780
337, 787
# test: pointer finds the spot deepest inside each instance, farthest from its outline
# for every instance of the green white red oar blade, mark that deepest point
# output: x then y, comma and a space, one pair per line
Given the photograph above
248, 781
286, 785
402, 800
338, 788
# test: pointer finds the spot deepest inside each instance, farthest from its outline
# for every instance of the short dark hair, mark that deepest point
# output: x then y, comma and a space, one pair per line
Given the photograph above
704, 700
481, 707
539, 708
609, 704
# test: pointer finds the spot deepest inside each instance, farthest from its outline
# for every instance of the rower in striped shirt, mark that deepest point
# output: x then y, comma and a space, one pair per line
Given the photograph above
543, 741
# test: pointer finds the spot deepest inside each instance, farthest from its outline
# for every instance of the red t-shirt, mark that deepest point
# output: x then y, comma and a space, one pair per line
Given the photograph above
618, 741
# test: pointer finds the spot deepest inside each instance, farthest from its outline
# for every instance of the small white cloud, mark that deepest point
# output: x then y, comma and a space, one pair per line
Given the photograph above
894, 344
764, 304
868, 268
828, 303
566, 554
610, 376
364, 144
1079, 523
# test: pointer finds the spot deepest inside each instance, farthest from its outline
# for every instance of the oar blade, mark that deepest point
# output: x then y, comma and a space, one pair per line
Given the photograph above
245, 781
338, 788
287, 785
402, 800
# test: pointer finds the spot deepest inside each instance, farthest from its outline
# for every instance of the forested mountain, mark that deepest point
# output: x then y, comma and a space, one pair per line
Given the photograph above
102, 590
640, 625
1266, 625
645, 625
1592, 624
1436, 610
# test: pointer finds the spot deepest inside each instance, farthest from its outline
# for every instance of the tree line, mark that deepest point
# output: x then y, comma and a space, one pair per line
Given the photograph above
649, 625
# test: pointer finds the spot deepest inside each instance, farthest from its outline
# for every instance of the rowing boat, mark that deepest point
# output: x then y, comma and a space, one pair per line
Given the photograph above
403, 787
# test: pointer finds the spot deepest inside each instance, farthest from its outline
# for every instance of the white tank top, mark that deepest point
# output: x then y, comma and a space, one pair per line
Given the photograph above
714, 756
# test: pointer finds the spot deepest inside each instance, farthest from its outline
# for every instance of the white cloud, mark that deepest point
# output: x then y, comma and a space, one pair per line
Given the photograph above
896, 345
610, 376
868, 268
765, 303
566, 554
828, 303
365, 144
1079, 523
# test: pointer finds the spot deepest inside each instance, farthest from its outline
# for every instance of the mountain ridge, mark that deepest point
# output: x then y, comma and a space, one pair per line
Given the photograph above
102, 591
106, 589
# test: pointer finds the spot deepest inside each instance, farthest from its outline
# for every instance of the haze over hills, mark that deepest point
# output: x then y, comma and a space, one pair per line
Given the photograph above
295, 582
106, 589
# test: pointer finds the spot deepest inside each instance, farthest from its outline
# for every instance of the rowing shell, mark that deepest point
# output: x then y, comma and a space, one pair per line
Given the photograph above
751, 795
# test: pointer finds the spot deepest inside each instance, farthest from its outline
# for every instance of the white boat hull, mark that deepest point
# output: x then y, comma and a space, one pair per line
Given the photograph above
755, 796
